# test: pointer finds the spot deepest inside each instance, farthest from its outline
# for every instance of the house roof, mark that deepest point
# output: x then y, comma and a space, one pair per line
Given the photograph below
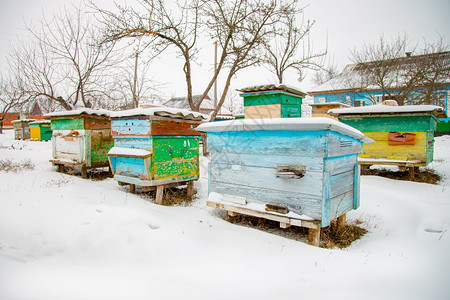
182, 103
350, 78
207, 104
272, 87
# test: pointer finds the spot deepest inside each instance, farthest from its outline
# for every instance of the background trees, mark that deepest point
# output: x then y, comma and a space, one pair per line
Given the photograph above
401, 71
64, 61
241, 28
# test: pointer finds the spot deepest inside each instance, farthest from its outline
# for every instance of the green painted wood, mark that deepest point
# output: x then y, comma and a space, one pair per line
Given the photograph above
101, 142
175, 157
266, 99
67, 124
291, 110
392, 123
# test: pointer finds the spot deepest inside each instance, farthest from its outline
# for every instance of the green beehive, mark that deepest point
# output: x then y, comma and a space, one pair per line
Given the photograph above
272, 101
41, 130
81, 138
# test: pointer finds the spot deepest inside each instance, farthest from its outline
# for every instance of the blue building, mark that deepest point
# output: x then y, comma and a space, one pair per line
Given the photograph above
410, 80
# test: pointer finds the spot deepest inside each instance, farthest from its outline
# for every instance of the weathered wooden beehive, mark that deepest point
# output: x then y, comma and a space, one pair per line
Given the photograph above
22, 128
81, 138
155, 148
299, 171
272, 101
321, 109
41, 130
404, 135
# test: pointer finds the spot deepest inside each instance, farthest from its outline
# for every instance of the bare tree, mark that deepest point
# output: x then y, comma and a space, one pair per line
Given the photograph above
392, 68
325, 74
11, 96
432, 74
64, 60
377, 67
291, 47
240, 27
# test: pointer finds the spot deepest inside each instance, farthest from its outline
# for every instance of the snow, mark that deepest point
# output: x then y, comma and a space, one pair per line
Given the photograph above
119, 151
64, 237
41, 122
387, 109
79, 111
160, 111
294, 124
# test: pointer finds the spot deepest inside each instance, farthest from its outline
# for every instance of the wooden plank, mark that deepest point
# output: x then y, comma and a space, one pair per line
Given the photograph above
266, 178
265, 215
174, 127
263, 111
131, 126
270, 142
312, 164
159, 194
314, 237
298, 203
339, 144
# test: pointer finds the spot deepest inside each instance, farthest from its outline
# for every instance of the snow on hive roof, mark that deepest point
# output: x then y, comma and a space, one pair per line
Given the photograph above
23, 121
293, 124
272, 87
80, 111
41, 122
161, 111
386, 109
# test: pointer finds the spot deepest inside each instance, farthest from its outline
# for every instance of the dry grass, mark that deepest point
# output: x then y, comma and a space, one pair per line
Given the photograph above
330, 237
8, 165
172, 196
334, 237
425, 176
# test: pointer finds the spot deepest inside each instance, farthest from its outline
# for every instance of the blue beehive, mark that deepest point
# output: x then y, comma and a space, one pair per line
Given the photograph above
299, 171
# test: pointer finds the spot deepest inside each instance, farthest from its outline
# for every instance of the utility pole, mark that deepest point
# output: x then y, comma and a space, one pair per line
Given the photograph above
215, 70
135, 100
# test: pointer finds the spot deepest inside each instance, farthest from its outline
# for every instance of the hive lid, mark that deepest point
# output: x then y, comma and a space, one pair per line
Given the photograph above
387, 109
161, 111
272, 87
292, 124
80, 111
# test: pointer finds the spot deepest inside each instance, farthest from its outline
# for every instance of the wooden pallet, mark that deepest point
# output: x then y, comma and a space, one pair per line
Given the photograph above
160, 188
411, 165
285, 220
61, 164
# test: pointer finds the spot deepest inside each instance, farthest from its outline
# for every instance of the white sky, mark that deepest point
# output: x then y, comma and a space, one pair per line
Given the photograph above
347, 24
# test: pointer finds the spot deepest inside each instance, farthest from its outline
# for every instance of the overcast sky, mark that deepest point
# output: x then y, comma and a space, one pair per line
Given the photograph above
345, 24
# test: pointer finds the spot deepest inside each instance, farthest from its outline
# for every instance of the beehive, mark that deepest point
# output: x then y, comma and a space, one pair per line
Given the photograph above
307, 167
80, 138
155, 147
22, 128
404, 135
41, 130
272, 101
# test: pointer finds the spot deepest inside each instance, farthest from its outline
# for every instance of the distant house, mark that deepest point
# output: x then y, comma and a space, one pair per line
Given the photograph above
28, 111
360, 84
207, 106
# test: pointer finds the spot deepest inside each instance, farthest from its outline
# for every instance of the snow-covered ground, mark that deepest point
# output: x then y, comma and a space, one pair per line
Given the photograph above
63, 237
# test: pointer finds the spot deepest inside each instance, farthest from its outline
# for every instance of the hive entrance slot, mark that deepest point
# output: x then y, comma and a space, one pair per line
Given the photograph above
291, 171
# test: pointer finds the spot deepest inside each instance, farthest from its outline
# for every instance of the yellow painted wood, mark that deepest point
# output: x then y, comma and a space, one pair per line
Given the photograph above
263, 111
381, 149
35, 133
